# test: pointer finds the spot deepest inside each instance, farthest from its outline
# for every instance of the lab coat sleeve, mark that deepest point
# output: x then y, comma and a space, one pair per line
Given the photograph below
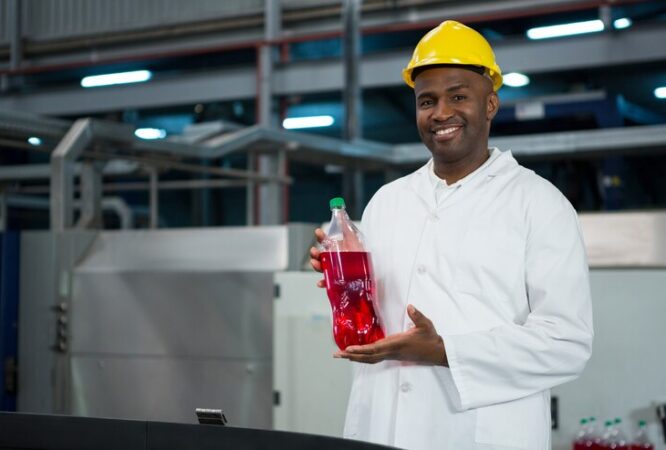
554, 343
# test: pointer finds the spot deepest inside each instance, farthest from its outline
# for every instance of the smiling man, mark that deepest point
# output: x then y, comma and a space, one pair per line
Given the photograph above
481, 276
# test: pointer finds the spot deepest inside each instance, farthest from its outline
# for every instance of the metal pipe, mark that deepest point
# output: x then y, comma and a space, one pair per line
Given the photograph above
145, 186
68, 149
193, 168
114, 204
154, 198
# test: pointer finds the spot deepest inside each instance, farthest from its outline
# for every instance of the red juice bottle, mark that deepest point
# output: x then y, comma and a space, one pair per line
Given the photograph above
349, 281
582, 437
641, 441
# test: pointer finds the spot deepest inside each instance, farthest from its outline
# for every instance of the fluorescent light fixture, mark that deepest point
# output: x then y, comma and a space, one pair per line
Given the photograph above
34, 141
150, 133
566, 29
622, 23
109, 79
660, 92
294, 123
515, 79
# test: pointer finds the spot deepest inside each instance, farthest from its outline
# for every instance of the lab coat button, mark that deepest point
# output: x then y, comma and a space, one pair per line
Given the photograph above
433, 217
405, 387
421, 269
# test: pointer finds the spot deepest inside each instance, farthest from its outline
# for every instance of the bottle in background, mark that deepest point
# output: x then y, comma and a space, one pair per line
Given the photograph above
619, 439
606, 437
641, 441
582, 437
349, 281
596, 434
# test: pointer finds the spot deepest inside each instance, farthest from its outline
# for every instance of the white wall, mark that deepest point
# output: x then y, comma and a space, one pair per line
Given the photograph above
627, 371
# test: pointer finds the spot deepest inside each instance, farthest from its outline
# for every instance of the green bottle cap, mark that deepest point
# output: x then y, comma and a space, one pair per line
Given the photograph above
618, 420
592, 419
608, 423
641, 423
337, 203
583, 421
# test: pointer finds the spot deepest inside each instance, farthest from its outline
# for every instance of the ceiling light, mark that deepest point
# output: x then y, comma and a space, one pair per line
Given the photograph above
34, 141
294, 123
660, 92
622, 23
566, 29
515, 79
150, 133
109, 79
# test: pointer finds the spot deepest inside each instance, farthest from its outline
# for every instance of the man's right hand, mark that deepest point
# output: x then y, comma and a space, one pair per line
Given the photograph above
315, 261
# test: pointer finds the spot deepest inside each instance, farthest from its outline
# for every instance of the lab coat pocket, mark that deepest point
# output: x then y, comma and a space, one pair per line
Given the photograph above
510, 424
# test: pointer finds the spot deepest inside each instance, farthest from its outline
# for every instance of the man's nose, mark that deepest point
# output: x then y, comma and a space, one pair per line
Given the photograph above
442, 111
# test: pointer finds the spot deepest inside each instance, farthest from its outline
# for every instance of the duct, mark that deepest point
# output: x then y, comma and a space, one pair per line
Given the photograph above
91, 196
113, 204
302, 21
24, 172
19, 123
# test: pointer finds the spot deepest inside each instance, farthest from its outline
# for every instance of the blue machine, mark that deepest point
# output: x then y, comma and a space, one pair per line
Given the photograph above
9, 297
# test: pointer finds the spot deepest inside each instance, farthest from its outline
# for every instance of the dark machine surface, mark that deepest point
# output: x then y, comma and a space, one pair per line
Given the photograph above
53, 432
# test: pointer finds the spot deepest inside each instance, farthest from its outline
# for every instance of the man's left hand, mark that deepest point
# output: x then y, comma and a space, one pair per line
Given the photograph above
420, 344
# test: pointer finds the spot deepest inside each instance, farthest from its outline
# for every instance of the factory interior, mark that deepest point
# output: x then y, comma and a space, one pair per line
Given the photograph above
164, 164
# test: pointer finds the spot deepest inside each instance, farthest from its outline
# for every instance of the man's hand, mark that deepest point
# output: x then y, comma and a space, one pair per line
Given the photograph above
315, 261
420, 344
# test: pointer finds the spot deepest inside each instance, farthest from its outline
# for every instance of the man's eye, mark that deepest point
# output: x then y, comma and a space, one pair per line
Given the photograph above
425, 103
459, 98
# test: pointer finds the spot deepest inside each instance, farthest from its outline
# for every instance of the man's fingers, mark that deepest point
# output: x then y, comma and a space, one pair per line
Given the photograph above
319, 234
321, 283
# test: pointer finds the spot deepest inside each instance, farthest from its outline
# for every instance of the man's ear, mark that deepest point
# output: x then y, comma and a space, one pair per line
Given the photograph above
492, 105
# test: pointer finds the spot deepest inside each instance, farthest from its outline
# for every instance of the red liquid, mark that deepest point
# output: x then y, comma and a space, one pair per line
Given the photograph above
641, 447
351, 290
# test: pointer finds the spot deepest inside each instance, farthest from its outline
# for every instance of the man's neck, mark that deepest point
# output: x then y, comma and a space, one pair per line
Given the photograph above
451, 172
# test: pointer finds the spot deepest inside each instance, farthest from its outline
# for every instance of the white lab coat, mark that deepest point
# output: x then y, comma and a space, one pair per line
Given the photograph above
500, 269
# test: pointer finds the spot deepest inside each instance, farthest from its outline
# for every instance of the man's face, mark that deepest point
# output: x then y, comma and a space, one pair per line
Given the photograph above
454, 108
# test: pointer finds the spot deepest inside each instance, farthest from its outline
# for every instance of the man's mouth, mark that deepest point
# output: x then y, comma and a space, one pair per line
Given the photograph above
445, 133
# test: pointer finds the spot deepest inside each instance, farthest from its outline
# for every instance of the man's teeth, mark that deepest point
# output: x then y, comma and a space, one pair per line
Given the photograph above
446, 131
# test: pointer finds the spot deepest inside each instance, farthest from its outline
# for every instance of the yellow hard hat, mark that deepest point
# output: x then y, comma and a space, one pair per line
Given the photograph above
452, 42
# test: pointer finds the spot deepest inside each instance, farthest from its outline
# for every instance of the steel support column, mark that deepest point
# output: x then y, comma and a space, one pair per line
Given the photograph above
352, 179
13, 24
270, 211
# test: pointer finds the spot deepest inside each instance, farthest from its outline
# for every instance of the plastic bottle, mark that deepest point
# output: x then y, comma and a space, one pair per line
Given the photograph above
582, 437
619, 439
596, 434
641, 440
349, 281
606, 438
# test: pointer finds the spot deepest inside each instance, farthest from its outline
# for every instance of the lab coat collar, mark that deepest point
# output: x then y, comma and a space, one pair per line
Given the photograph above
419, 181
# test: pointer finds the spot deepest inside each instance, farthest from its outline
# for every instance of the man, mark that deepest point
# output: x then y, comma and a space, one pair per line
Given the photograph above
481, 275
